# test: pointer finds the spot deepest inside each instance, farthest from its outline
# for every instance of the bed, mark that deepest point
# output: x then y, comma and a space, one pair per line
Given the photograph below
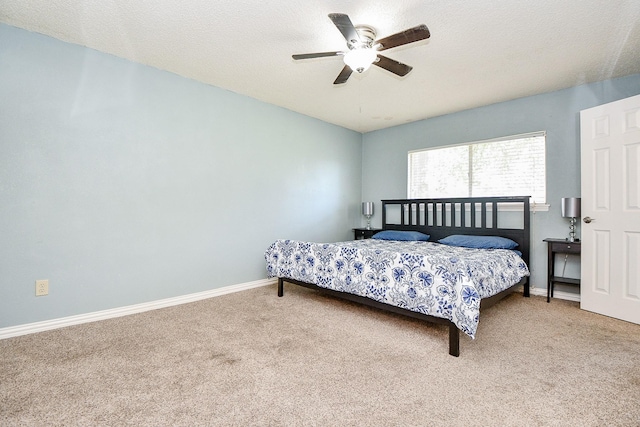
400, 272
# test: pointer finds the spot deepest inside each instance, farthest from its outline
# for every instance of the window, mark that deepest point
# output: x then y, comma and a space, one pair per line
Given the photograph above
510, 166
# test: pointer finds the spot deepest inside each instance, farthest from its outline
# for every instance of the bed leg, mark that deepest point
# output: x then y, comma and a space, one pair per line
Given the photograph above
280, 286
454, 340
526, 289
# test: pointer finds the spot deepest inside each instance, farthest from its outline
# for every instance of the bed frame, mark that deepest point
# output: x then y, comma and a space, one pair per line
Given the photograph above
439, 218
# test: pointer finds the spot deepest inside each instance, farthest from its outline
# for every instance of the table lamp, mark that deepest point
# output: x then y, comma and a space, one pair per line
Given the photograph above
367, 211
571, 209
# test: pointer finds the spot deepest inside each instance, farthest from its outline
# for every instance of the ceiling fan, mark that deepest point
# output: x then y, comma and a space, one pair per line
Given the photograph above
364, 48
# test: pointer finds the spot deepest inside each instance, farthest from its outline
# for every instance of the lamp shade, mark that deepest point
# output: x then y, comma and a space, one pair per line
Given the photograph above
571, 207
360, 59
367, 208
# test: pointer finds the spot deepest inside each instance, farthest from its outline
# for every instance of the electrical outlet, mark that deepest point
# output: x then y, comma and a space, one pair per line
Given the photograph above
42, 287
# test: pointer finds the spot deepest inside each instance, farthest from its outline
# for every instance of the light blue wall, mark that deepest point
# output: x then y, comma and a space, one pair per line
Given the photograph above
558, 113
123, 184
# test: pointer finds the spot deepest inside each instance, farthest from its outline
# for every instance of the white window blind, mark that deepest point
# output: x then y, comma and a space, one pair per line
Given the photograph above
510, 166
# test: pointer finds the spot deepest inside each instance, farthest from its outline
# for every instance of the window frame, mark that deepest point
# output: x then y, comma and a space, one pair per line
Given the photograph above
535, 206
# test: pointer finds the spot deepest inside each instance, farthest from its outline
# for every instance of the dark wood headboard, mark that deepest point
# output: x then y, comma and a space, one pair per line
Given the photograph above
484, 216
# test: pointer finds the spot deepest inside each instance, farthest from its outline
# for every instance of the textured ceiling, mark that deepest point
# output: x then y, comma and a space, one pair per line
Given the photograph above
479, 53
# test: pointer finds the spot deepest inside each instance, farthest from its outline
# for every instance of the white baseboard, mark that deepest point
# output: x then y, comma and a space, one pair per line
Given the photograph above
556, 294
30, 328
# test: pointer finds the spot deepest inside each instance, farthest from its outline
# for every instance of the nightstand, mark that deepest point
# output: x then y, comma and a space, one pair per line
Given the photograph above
363, 233
559, 246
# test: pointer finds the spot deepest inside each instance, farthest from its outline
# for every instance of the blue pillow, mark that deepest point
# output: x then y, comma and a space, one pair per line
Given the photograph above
400, 235
480, 242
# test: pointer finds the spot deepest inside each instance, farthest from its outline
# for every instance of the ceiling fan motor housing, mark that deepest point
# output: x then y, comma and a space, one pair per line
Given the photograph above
367, 36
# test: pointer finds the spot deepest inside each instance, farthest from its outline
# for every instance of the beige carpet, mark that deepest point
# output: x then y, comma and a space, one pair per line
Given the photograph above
253, 359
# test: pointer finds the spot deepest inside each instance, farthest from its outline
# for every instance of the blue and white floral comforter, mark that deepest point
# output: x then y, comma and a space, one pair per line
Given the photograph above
430, 278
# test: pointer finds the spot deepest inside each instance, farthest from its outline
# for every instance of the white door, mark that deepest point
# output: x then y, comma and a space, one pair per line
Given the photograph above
610, 266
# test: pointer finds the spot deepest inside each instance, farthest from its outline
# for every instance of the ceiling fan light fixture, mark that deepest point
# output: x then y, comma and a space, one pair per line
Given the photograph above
360, 59
364, 47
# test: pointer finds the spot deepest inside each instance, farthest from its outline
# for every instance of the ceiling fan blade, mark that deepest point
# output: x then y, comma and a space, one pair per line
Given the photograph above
343, 76
345, 26
392, 65
411, 35
315, 55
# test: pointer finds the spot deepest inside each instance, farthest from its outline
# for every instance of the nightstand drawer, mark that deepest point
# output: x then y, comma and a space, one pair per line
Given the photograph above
566, 248
363, 233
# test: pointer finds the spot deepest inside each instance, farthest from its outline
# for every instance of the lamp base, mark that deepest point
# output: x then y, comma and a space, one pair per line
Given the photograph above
572, 231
